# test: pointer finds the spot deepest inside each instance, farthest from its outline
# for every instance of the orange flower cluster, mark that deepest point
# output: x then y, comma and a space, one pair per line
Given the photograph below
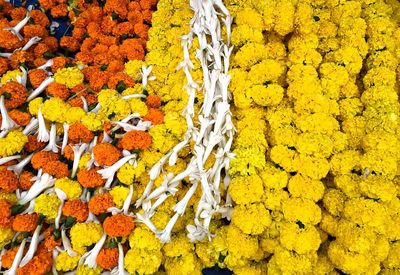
119, 225
135, 140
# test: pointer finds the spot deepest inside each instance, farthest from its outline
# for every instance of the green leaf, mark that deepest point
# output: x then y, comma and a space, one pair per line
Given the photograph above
6, 95
114, 16
17, 208
48, 55
69, 222
113, 243
104, 67
57, 234
121, 86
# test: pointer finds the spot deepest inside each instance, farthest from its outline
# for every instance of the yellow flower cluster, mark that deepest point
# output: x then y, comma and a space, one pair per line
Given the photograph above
12, 143
70, 76
315, 174
47, 205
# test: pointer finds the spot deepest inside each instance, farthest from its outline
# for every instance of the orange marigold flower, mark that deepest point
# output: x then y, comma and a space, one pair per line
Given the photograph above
40, 49
78, 33
18, 13
135, 16
136, 140
106, 154
39, 61
119, 225
39, 18
147, 15
91, 98
100, 203
59, 62
5, 214
148, 4
78, 133
30, 31
107, 24
142, 30
69, 152
76, 102
9, 41
70, 43
3, 65
25, 180
156, 116
108, 258
118, 7
59, 11
98, 80
84, 57
115, 66
50, 242
47, 4
25, 222
94, 29
41, 159
90, 178
33, 144
14, 94
134, 5
39, 265
8, 258
123, 28
56, 168
153, 101
21, 118
8, 180
58, 90
51, 42
77, 209
36, 77
132, 49
120, 81
20, 57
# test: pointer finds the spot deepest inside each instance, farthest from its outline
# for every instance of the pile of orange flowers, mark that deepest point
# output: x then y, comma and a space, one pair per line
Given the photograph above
65, 130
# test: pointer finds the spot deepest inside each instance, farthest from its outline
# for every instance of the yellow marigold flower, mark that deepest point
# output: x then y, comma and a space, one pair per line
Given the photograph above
274, 178
246, 189
162, 140
187, 264
393, 259
133, 68
270, 95
137, 89
112, 106
273, 198
179, 246
92, 121
251, 218
55, 109
10, 76
64, 262
83, 162
243, 34
314, 144
176, 124
365, 212
318, 123
127, 174
10, 197
119, 194
288, 262
6, 235
249, 17
247, 161
299, 237
142, 261
313, 167
138, 106
143, 239
48, 206
304, 187
12, 143
85, 270
284, 157
284, 17
350, 262
379, 188
251, 137
71, 188
75, 114
249, 54
34, 105
85, 234
240, 244
381, 164
70, 76
265, 72
303, 210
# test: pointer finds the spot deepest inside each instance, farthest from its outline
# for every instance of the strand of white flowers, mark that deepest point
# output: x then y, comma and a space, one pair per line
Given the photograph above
216, 130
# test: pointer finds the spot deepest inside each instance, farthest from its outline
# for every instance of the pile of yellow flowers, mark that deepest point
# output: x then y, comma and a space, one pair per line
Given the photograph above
313, 185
